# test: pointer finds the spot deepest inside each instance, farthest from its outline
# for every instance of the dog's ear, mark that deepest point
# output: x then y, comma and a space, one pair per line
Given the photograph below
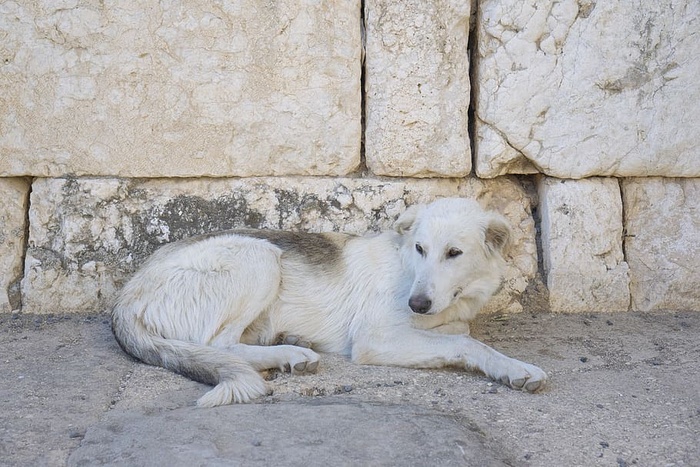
406, 220
497, 233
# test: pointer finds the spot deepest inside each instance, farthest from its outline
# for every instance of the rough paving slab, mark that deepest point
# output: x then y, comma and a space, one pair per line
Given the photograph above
310, 433
624, 391
58, 376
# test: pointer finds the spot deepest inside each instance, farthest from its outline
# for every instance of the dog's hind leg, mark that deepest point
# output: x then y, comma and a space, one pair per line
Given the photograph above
292, 358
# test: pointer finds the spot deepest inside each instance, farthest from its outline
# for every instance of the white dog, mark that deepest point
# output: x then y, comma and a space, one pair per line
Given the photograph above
212, 307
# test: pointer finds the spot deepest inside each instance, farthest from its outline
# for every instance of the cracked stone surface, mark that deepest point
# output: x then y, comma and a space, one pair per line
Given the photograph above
662, 242
582, 245
14, 196
623, 392
87, 236
576, 88
192, 88
417, 88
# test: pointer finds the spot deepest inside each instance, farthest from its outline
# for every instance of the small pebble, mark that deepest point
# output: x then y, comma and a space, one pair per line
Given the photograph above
75, 433
347, 388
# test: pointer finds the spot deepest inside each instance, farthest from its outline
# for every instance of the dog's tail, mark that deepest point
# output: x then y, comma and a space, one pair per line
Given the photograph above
234, 379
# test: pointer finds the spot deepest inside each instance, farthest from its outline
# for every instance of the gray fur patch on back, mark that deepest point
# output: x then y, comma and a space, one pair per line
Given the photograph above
316, 249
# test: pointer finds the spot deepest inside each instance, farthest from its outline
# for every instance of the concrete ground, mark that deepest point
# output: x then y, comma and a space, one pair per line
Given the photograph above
625, 390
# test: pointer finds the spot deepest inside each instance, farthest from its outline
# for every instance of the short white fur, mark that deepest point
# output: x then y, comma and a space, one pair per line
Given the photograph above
213, 307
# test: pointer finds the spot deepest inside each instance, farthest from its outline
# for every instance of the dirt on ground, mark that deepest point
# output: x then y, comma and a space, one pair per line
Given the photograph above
623, 390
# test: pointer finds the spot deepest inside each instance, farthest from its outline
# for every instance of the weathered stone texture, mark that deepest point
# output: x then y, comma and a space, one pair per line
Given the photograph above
582, 245
160, 89
417, 88
14, 196
88, 235
662, 242
577, 88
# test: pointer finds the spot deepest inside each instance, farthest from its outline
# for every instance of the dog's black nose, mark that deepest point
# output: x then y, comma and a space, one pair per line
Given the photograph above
420, 304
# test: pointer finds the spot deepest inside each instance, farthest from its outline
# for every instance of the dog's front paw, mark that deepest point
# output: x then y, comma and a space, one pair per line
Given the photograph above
521, 375
300, 360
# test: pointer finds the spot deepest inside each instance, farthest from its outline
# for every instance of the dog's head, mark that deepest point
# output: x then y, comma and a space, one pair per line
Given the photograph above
453, 248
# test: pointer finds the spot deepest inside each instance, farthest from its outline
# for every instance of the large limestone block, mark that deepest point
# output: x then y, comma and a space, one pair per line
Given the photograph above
88, 235
575, 88
662, 242
14, 197
582, 245
188, 88
417, 88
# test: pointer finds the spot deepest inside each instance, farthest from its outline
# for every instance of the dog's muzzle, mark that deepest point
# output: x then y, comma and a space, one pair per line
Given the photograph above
420, 304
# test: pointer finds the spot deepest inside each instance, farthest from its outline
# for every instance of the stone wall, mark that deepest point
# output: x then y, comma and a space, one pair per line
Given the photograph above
123, 127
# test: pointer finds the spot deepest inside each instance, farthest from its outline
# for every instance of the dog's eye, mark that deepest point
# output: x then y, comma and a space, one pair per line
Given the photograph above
419, 249
453, 252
